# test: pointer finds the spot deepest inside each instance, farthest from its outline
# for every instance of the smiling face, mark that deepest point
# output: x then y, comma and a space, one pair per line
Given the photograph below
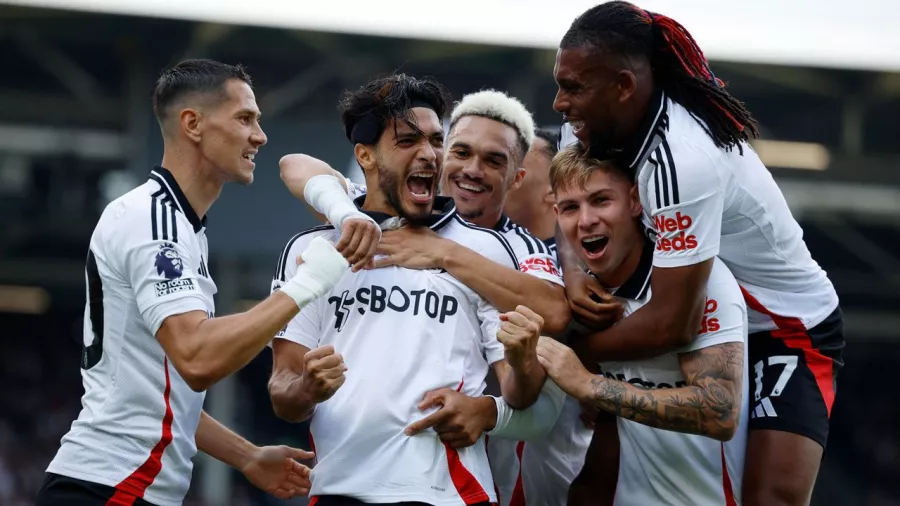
593, 95
230, 133
600, 218
405, 165
481, 167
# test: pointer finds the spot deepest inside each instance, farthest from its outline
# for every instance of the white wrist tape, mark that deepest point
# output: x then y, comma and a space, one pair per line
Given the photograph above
321, 269
533, 422
326, 195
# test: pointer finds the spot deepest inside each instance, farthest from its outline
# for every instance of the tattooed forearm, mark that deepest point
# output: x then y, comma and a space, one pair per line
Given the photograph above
708, 405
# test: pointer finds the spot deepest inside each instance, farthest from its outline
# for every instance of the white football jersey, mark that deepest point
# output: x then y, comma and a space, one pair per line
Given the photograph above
663, 467
702, 201
136, 430
402, 333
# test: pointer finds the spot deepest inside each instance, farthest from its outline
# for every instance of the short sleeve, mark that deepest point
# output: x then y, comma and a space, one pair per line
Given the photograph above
724, 314
685, 206
303, 329
489, 318
161, 272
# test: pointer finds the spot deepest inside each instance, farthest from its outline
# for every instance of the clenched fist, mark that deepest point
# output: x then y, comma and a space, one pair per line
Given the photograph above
519, 333
323, 372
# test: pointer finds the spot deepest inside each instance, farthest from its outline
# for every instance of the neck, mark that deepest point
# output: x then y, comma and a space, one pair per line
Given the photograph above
486, 220
196, 177
377, 203
618, 276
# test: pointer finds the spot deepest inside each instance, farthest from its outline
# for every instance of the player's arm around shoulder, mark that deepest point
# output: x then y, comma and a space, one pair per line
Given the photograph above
506, 283
712, 365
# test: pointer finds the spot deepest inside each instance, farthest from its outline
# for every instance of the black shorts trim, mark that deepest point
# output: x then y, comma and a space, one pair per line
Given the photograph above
793, 377
58, 490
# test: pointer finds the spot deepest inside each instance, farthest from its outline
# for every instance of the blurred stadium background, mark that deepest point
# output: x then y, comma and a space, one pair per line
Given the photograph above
77, 130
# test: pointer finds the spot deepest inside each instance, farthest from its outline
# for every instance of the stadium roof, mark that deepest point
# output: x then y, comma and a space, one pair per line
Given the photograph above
818, 33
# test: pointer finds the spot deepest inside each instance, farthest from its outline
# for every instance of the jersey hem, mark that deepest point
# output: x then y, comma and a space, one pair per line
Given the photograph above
401, 498
100, 480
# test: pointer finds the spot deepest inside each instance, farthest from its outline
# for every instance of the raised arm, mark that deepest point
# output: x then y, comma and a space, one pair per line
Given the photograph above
708, 405
325, 191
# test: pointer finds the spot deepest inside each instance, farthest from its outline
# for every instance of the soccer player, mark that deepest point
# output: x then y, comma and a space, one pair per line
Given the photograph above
490, 134
151, 343
530, 205
635, 87
682, 414
360, 362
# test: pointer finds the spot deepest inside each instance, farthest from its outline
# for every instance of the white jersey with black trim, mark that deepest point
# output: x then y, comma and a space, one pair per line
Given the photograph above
402, 333
136, 430
539, 472
535, 256
664, 467
703, 201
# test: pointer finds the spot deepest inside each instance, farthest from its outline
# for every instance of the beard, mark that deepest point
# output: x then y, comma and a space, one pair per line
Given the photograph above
389, 184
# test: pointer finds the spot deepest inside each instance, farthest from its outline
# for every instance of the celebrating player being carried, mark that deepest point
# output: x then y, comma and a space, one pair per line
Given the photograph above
360, 362
682, 414
151, 344
636, 89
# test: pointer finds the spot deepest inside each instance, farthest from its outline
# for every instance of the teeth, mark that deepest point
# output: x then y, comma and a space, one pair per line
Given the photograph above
422, 175
577, 125
593, 239
470, 187
250, 156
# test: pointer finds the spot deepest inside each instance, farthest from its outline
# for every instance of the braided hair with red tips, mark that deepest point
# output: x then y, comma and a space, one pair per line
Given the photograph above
678, 65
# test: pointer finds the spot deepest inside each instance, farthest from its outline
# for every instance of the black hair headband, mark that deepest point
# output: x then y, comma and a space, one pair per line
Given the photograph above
367, 129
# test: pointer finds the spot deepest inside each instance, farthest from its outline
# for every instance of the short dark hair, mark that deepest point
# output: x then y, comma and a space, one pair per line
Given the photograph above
374, 105
195, 76
551, 136
679, 66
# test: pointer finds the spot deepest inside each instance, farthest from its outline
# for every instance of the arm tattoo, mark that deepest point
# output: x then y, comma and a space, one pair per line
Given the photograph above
708, 405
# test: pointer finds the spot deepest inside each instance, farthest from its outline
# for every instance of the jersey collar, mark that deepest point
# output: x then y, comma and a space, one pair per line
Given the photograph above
637, 286
653, 128
502, 224
170, 188
444, 206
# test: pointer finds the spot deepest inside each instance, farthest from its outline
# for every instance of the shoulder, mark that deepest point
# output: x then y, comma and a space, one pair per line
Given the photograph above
296, 244
522, 241
140, 216
487, 242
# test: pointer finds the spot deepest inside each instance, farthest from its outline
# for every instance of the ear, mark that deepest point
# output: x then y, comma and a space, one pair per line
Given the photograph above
556, 212
191, 123
626, 82
517, 179
635, 196
365, 157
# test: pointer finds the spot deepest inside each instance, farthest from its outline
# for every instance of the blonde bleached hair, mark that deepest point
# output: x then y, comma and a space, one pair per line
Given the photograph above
498, 106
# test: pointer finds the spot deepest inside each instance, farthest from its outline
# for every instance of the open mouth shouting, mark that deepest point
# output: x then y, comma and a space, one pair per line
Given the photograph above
249, 156
579, 128
421, 186
594, 246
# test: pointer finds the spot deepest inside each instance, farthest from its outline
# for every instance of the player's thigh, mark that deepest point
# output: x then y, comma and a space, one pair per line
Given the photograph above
780, 468
60, 490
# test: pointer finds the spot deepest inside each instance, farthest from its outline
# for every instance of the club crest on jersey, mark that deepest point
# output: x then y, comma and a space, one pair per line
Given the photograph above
168, 263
